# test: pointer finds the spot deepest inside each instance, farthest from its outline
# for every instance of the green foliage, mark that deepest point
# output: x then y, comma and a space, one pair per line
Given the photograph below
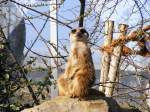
12, 83
9, 83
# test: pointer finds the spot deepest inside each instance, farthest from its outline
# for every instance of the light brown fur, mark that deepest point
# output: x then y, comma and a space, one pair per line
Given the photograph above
79, 74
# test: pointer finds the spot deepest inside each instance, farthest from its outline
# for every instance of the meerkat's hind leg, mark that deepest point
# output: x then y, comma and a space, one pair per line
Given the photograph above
79, 87
62, 85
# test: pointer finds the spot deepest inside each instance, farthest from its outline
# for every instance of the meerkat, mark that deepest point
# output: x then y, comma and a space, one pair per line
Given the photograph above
79, 74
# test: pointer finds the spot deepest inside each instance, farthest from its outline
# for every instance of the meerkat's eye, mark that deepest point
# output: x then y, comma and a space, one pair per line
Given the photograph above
73, 31
83, 31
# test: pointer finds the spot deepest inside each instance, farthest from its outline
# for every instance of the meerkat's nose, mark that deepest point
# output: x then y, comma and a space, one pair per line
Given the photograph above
79, 33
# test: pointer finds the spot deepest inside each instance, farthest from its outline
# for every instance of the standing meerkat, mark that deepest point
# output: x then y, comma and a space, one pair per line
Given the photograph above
79, 74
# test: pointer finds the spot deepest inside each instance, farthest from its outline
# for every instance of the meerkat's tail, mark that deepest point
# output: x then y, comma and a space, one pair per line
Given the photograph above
94, 92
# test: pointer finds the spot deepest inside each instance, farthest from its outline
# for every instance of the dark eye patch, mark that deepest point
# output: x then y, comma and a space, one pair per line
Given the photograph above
83, 31
73, 31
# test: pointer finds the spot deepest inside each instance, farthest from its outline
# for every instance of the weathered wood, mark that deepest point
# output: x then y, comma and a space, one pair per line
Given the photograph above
105, 61
114, 64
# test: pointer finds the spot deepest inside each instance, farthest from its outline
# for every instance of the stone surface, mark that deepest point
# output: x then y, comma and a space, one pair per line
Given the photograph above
65, 104
92, 104
16, 32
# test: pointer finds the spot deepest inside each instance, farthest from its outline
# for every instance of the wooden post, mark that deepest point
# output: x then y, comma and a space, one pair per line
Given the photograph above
54, 41
105, 61
82, 8
114, 64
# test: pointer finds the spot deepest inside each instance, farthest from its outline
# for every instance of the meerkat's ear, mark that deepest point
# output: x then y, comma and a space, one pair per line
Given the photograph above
87, 34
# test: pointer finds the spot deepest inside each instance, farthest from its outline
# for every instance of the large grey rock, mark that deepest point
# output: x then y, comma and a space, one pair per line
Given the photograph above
13, 24
65, 104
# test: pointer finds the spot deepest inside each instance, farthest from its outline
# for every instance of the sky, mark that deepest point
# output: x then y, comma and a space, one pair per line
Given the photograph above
63, 32
120, 15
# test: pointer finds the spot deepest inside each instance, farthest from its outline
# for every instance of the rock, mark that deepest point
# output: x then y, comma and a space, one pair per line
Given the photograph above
65, 104
16, 32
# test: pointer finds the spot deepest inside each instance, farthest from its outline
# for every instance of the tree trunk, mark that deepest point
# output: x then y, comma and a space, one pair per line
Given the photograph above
105, 62
114, 64
82, 8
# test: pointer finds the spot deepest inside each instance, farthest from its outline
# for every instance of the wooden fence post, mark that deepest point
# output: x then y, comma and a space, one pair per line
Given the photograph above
105, 61
114, 64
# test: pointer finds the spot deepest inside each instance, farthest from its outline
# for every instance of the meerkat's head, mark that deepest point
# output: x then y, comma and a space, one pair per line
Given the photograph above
79, 34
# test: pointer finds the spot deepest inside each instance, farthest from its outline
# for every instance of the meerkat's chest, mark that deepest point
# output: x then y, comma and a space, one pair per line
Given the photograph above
79, 55
79, 49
